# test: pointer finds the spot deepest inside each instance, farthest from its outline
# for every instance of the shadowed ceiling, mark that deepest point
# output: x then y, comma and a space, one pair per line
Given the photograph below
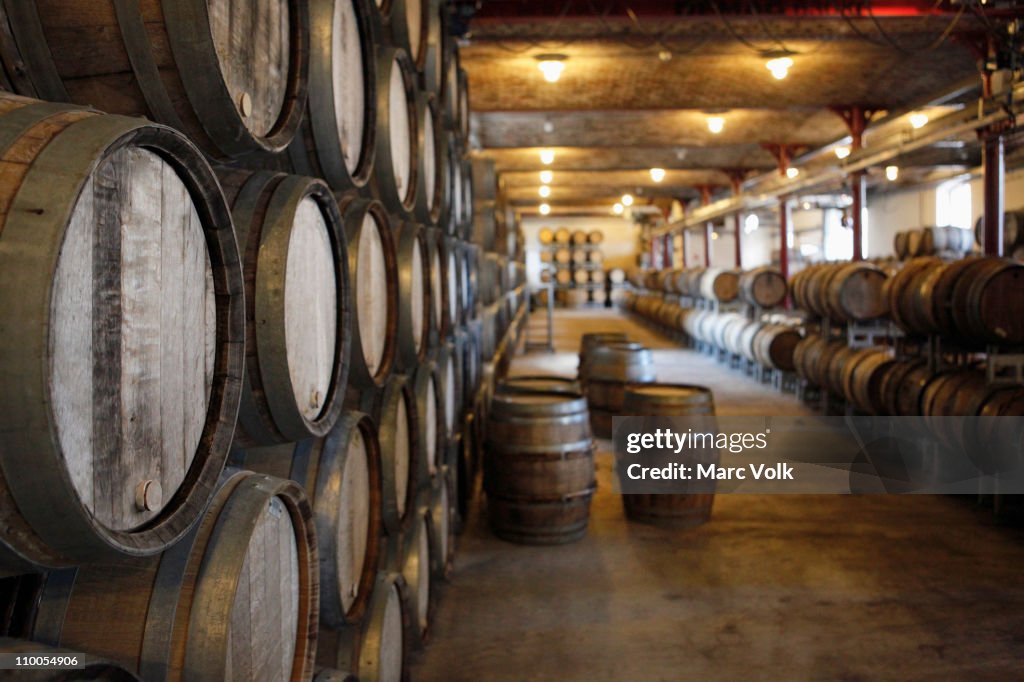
641, 78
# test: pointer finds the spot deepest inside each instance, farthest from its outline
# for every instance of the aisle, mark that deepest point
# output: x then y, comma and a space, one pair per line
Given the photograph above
774, 587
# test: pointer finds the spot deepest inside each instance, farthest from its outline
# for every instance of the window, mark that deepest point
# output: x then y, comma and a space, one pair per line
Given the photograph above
953, 204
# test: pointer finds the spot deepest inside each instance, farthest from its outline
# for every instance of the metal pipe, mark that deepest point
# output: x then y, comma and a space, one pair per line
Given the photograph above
994, 180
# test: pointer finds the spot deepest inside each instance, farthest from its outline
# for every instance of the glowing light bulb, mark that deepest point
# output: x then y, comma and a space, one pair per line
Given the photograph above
842, 152
552, 69
627, 199
618, 208
792, 172
547, 156
546, 177
716, 124
891, 173
779, 67
544, 209
657, 174
918, 120
544, 191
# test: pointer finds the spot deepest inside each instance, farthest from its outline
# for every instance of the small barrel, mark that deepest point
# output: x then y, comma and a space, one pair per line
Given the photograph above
338, 136
121, 361
718, 284
247, 576
563, 236
591, 340
431, 419
297, 284
610, 368
413, 335
595, 237
670, 400
854, 292
1013, 230
179, 63
763, 287
431, 195
773, 346
374, 275
415, 569
538, 467
900, 246
395, 166
438, 286
343, 475
988, 301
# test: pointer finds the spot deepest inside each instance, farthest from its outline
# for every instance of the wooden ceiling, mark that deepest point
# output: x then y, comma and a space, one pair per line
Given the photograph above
640, 81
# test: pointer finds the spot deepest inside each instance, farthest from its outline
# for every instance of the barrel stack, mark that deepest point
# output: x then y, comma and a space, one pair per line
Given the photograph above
295, 236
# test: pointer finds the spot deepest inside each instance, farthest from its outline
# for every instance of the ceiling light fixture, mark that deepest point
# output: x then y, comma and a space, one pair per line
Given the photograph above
627, 199
657, 174
891, 173
547, 156
716, 124
546, 177
545, 191
792, 172
618, 208
544, 209
551, 65
779, 66
918, 120
842, 152
751, 223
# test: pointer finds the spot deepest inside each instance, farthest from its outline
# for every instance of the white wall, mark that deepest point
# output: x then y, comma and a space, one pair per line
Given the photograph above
619, 247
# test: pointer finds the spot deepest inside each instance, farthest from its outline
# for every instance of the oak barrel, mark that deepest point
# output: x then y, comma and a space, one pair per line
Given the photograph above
538, 467
395, 166
670, 400
773, 346
764, 287
413, 295
187, 64
433, 192
718, 284
374, 282
122, 344
338, 136
297, 287
235, 600
430, 414
591, 340
415, 569
610, 367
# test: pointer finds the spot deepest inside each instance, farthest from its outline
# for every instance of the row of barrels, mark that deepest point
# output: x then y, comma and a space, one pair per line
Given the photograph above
763, 287
875, 382
944, 240
564, 256
368, 96
1013, 234
563, 235
768, 343
975, 300
574, 276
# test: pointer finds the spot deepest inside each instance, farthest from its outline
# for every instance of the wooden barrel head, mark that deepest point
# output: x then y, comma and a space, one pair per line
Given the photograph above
441, 544
382, 657
265, 611
416, 572
397, 131
132, 338
352, 108
429, 413
311, 309
255, 72
354, 520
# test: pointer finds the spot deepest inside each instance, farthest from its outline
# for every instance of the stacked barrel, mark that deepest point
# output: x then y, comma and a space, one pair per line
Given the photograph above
575, 262
945, 241
278, 271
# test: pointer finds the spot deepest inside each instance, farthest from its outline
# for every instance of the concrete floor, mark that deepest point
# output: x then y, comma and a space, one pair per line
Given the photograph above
773, 588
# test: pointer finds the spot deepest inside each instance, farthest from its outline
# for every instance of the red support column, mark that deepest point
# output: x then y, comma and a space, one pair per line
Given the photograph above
709, 228
784, 240
994, 187
736, 177
857, 119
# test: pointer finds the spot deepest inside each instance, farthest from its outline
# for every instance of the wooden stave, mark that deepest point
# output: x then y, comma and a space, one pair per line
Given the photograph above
411, 342
261, 204
353, 213
198, 106
383, 180
39, 542
170, 641
318, 129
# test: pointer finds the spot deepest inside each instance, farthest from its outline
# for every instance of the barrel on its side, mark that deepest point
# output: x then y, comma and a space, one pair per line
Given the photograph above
236, 598
538, 467
413, 296
121, 300
763, 287
671, 400
395, 177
